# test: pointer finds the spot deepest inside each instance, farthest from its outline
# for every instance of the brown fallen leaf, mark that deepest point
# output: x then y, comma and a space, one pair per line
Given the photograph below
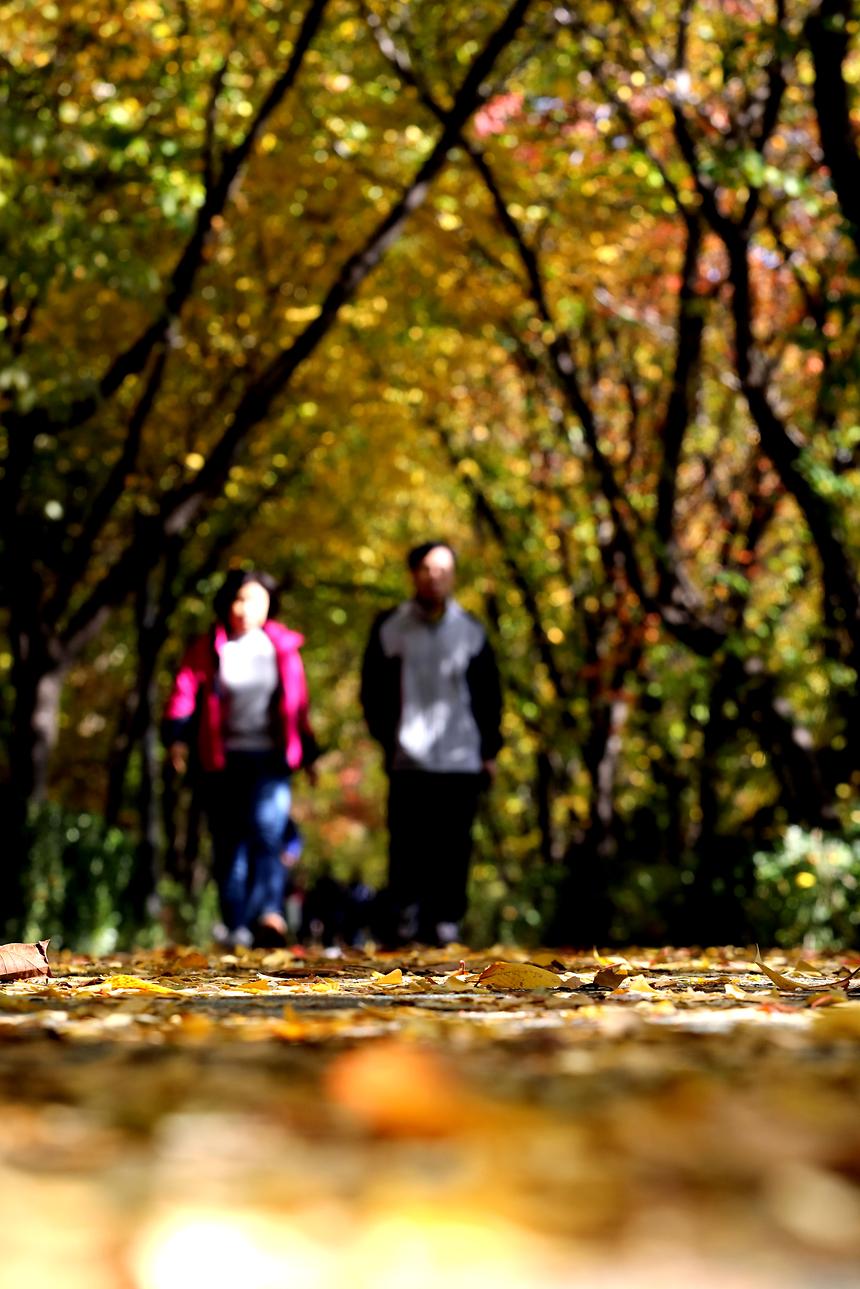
411, 985
549, 958
797, 982
609, 978
518, 975
178, 960
23, 961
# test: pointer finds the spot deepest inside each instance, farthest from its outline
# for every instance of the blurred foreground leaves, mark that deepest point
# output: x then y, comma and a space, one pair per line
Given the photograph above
658, 1117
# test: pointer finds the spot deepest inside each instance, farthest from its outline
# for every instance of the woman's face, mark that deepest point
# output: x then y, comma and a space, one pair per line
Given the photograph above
250, 609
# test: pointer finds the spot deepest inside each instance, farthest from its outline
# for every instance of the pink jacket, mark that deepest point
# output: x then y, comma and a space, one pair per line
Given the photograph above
195, 682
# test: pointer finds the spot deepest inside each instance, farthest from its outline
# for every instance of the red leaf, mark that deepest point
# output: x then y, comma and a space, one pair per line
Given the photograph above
21, 961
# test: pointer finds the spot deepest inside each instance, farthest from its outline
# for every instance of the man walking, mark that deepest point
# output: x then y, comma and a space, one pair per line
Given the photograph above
431, 697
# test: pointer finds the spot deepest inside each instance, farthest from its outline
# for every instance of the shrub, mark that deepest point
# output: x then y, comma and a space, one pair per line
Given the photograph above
807, 891
78, 873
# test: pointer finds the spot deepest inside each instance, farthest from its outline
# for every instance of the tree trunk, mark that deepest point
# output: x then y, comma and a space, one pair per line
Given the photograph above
37, 680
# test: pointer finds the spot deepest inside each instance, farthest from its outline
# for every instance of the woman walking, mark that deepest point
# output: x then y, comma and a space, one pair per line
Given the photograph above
243, 686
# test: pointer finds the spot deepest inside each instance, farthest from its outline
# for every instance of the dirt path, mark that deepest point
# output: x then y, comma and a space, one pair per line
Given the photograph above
286, 1122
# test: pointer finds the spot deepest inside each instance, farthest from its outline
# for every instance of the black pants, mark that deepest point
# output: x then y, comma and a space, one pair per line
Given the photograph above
430, 818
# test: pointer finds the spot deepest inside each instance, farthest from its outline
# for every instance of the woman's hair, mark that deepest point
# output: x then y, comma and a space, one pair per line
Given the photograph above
231, 586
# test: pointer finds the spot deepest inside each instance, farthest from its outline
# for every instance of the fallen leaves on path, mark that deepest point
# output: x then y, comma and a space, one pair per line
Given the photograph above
812, 979
530, 1120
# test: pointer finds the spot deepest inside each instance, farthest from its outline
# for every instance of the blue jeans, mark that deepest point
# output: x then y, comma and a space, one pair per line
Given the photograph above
248, 806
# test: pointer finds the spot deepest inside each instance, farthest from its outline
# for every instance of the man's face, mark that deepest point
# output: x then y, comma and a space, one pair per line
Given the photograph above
434, 577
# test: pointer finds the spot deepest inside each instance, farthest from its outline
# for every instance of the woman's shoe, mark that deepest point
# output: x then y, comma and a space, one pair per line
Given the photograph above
271, 931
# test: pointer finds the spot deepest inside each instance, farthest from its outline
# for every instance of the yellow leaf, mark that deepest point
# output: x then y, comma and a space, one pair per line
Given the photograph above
634, 985
618, 963
548, 958
278, 960
662, 1008
394, 977
457, 981
133, 982
592, 1011
518, 975
840, 1020
291, 1026
193, 1027
735, 991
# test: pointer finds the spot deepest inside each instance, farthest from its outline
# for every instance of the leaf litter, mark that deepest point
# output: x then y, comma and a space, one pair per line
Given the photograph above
547, 1118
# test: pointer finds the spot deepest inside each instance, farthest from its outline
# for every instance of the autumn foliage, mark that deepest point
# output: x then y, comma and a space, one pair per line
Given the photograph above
574, 285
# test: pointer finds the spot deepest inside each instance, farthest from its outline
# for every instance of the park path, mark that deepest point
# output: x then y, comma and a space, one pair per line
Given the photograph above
290, 1121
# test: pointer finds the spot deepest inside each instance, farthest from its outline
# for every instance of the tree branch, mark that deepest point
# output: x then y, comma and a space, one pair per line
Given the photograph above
102, 507
133, 359
827, 31
180, 506
700, 635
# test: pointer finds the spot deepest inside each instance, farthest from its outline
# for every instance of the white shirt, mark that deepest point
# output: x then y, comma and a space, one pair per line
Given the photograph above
437, 731
248, 679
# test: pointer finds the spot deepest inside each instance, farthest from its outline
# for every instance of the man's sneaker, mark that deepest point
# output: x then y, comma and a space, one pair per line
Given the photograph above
447, 933
407, 926
240, 936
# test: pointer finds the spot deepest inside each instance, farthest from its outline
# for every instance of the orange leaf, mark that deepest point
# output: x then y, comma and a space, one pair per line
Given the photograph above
400, 1090
22, 961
